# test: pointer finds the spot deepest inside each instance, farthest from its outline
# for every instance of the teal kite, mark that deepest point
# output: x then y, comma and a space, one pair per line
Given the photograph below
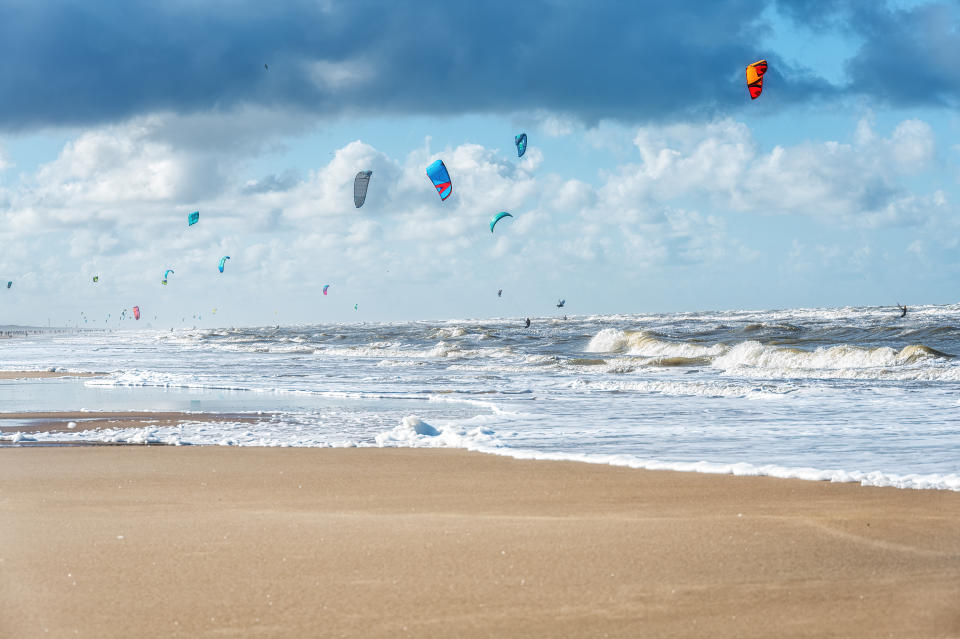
193, 218
223, 260
521, 142
496, 218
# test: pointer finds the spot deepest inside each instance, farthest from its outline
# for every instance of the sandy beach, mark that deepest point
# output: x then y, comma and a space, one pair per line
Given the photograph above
210, 541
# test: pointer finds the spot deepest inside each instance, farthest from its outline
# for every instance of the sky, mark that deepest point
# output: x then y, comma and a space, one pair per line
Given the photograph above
651, 183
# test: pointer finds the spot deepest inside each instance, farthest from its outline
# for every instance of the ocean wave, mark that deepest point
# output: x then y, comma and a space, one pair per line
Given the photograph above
842, 360
641, 343
753, 358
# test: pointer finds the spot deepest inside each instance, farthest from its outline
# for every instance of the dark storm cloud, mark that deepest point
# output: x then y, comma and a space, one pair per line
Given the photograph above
89, 62
908, 51
910, 56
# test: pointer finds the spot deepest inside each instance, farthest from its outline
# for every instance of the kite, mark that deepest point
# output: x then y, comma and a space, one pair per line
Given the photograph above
9, 284
165, 275
193, 218
499, 292
755, 78
136, 312
223, 260
360, 184
496, 218
521, 142
560, 303
354, 307
325, 287
437, 172
96, 278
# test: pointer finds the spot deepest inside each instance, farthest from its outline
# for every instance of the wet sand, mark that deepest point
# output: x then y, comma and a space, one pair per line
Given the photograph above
44, 374
203, 542
60, 422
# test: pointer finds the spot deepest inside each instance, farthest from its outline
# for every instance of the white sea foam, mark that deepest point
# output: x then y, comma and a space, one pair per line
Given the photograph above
682, 388
934, 481
416, 433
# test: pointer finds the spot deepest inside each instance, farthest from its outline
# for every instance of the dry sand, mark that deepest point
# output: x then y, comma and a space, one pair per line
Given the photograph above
213, 542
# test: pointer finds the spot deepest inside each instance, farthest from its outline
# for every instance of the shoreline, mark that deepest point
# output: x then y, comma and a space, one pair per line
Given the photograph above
146, 541
30, 425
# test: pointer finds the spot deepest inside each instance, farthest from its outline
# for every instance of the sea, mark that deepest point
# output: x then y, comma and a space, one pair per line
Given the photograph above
843, 394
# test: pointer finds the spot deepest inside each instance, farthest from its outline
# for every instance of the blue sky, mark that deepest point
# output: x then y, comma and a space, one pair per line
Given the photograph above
652, 181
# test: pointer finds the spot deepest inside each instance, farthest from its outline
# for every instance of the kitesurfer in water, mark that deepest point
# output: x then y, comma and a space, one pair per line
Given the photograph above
903, 309
528, 322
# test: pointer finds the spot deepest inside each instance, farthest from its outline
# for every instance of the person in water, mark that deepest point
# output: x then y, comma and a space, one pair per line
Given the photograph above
528, 322
903, 309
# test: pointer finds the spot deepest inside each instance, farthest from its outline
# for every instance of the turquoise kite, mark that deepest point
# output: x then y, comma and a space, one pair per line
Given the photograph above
325, 287
521, 142
193, 218
166, 274
437, 172
9, 284
223, 260
496, 218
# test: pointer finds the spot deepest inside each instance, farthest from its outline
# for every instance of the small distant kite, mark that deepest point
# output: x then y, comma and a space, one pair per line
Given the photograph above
560, 303
166, 275
521, 142
325, 287
355, 307
360, 184
193, 218
96, 278
136, 312
9, 284
223, 260
437, 172
755, 78
499, 292
496, 218
265, 67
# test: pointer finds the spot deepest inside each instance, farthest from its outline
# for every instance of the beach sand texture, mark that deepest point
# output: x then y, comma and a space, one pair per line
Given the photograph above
211, 542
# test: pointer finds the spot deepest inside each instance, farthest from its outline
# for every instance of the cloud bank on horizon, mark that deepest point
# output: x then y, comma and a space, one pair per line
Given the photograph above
170, 109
